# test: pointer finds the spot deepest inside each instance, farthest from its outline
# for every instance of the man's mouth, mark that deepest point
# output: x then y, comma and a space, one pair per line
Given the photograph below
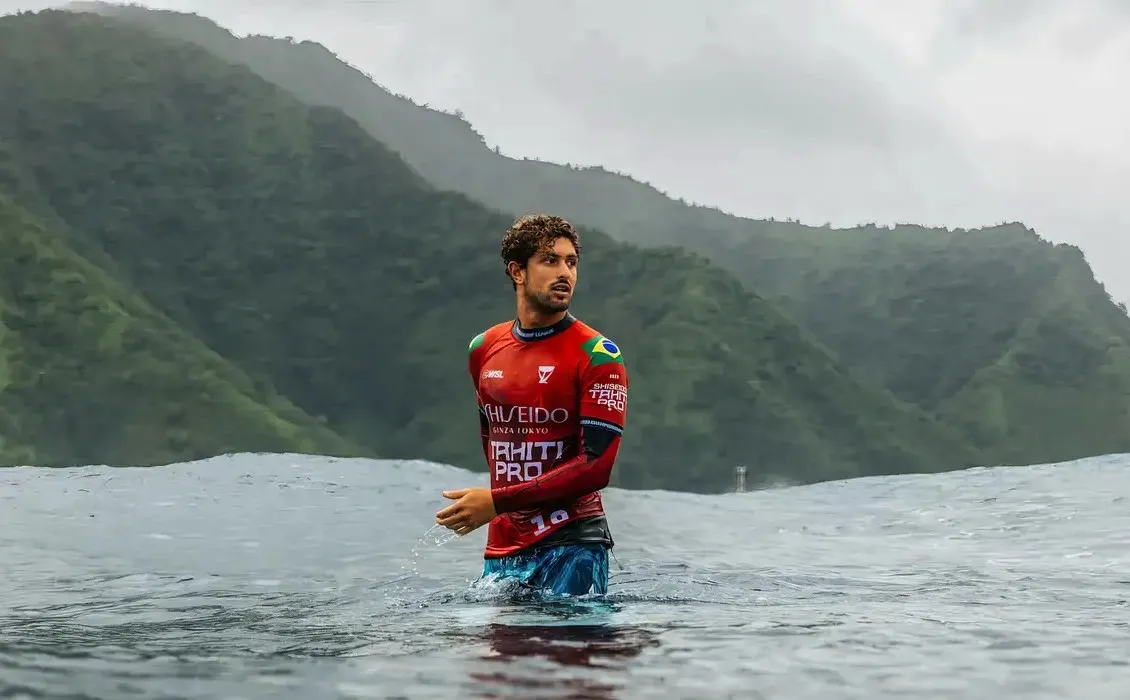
560, 287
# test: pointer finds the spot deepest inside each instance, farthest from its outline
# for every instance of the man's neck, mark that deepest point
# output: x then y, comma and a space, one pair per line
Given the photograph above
533, 325
530, 318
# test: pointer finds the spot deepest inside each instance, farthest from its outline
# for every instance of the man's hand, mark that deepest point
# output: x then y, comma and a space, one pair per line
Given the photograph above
472, 509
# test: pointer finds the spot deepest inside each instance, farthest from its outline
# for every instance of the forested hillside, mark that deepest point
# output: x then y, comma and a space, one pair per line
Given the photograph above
90, 373
1061, 385
931, 314
302, 250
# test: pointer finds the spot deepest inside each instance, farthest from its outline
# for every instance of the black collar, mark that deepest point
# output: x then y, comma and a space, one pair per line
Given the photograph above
532, 334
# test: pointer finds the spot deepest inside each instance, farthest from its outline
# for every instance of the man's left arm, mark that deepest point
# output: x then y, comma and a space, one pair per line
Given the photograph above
604, 399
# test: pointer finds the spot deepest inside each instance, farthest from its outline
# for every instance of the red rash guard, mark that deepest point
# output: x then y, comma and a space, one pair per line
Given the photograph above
552, 405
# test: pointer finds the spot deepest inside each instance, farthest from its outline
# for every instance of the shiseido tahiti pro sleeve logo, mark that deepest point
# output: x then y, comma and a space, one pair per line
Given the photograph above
602, 350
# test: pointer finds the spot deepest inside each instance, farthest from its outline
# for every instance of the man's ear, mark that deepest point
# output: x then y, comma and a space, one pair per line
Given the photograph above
517, 272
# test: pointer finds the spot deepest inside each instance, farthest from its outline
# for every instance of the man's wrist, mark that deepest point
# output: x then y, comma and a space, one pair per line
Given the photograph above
501, 500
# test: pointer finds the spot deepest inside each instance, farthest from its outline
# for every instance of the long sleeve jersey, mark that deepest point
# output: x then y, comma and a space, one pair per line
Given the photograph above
552, 407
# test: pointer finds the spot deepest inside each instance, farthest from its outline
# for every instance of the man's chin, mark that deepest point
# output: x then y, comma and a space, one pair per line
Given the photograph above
551, 304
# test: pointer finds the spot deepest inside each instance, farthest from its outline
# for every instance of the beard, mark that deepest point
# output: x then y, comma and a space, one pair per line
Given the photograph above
543, 302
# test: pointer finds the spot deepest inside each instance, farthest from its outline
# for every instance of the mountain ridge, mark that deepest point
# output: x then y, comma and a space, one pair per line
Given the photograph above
920, 311
311, 256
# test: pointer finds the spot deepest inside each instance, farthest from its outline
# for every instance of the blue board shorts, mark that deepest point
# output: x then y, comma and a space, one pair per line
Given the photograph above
571, 569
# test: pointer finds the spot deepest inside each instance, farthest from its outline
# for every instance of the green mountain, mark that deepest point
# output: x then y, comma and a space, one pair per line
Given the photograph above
1062, 381
308, 254
929, 313
90, 373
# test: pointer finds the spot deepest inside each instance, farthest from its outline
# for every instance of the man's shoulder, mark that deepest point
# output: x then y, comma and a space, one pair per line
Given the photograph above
597, 347
488, 336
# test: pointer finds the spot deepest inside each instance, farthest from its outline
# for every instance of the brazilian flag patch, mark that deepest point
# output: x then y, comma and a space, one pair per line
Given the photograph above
602, 350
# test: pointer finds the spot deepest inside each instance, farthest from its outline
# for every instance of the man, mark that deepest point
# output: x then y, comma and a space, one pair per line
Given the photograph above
552, 395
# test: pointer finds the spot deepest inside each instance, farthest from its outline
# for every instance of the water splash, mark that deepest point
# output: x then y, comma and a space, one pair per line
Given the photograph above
434, 537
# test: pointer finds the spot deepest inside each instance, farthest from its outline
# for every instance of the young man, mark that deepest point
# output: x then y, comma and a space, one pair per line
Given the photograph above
552, 395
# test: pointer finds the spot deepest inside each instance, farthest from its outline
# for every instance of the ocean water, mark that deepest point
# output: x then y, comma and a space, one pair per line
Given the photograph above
285, 576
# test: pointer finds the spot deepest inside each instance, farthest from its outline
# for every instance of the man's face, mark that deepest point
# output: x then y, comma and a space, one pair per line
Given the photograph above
551, 276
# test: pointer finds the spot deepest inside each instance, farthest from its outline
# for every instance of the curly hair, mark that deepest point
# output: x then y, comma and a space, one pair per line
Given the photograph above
533, 233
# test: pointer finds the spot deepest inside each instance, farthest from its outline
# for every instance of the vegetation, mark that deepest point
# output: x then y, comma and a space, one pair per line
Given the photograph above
939, 317
1062, 382
90, 373
310, 256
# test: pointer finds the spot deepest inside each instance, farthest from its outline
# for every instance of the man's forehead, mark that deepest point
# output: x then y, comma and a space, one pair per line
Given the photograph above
560, 246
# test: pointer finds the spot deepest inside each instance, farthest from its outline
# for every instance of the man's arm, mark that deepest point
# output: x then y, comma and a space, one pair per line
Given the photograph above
473, 507
484, 430
604, 398
473, 367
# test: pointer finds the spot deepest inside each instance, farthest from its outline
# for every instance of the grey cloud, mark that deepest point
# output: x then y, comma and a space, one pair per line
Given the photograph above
777, 101
1079, 27
720, 65
992, 17
723, 77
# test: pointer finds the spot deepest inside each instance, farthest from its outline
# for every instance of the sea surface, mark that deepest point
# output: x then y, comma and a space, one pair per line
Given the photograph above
286, 576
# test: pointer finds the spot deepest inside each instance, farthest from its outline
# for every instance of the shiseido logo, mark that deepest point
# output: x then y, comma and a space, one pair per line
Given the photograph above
528, 415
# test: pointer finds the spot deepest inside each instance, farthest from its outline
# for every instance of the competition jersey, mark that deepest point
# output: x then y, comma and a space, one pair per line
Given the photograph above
552, 404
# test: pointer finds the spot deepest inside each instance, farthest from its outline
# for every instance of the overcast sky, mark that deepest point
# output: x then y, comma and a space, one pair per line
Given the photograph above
942, 112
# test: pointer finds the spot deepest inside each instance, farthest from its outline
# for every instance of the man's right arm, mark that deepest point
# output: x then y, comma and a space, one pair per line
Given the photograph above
473, 366
484, 433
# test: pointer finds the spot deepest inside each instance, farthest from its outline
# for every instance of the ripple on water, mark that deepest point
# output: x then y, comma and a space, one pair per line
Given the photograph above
279, 576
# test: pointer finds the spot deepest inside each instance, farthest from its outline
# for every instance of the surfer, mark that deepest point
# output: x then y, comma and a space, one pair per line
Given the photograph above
552, 395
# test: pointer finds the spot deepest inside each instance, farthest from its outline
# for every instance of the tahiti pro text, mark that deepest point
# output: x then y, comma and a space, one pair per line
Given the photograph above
522, 461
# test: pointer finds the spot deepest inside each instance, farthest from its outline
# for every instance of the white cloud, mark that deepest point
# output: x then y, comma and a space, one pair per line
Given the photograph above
944, 112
